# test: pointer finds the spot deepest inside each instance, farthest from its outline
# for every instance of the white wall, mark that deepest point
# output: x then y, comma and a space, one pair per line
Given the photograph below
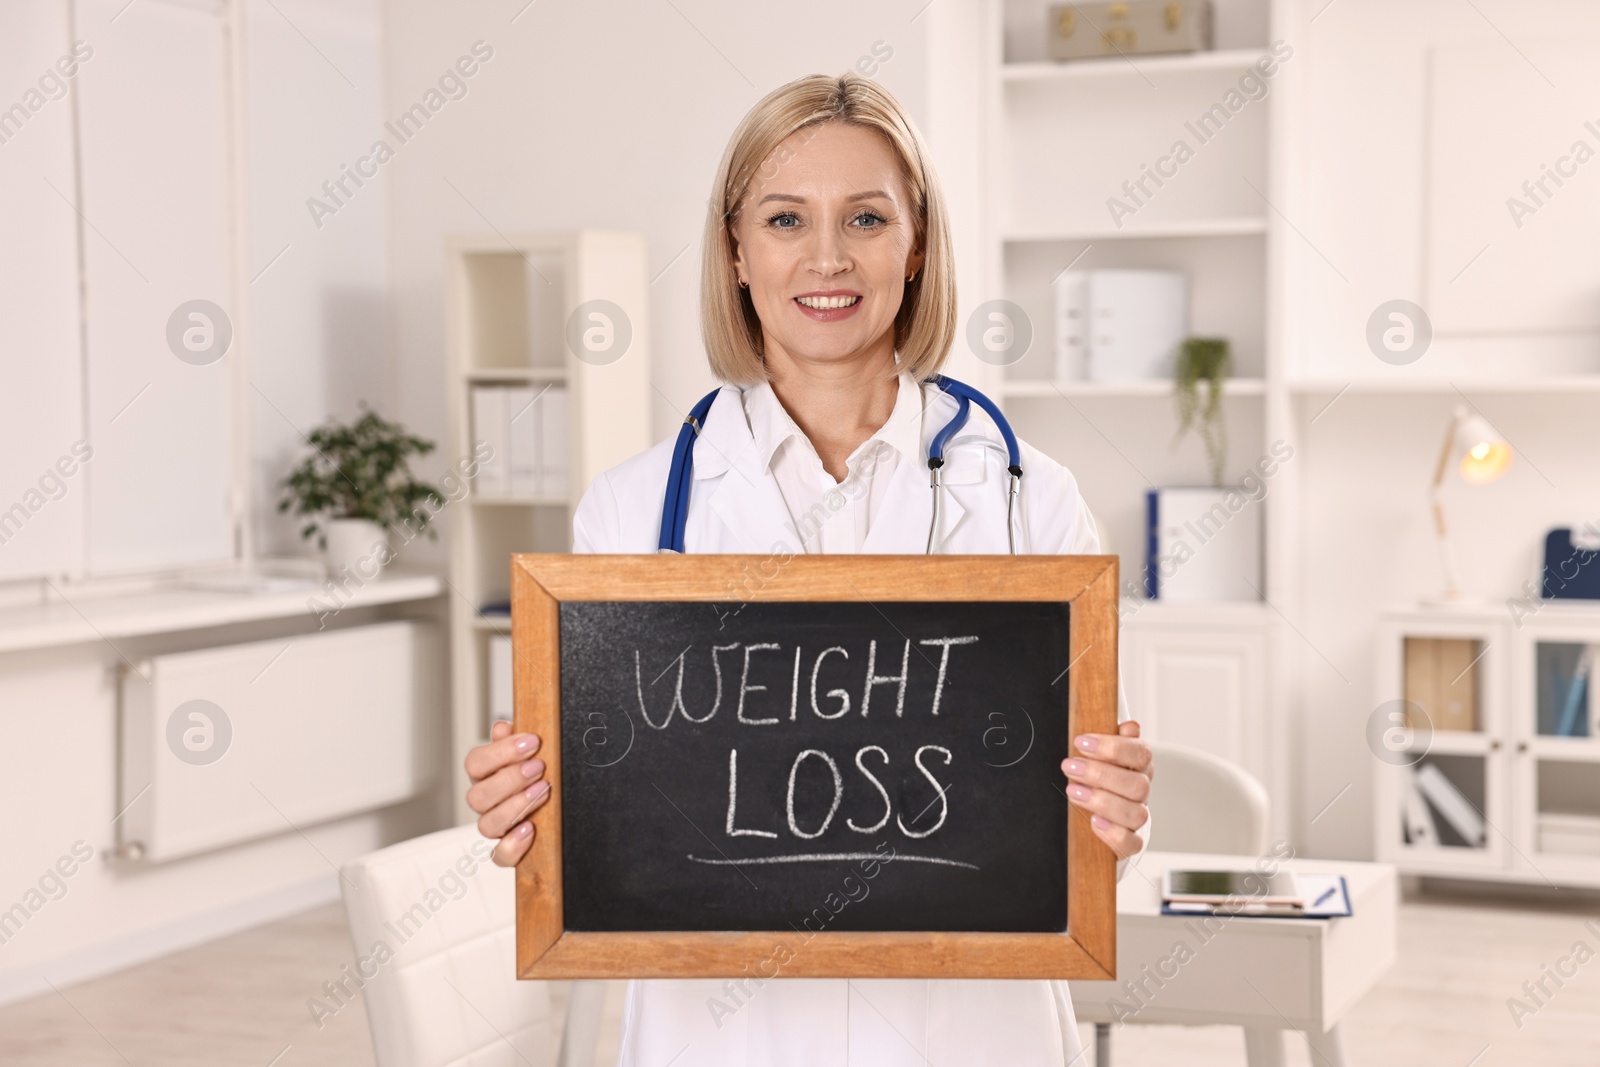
156, 197
41, 409
320, 316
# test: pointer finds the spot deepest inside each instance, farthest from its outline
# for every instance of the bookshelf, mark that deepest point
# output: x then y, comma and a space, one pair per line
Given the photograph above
1498, 778
1060, 139
517, 311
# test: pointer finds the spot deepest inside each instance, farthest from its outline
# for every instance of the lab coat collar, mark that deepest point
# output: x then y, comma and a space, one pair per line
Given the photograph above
725, 440
903, 431
749, 501
771, 425
746, 498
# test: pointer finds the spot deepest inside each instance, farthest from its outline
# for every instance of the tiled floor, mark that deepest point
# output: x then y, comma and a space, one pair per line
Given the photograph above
242, 1000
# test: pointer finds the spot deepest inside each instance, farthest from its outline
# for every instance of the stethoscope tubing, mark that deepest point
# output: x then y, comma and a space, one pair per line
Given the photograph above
680, 475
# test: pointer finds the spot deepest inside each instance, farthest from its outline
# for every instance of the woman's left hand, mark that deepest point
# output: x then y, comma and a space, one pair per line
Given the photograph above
1109, 776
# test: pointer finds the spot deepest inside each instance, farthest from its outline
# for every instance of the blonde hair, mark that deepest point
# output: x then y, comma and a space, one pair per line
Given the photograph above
925, 325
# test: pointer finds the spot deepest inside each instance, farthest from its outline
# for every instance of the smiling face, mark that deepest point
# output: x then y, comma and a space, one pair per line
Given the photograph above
825, 238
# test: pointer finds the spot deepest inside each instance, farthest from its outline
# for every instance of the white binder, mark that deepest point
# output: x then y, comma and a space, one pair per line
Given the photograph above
1072, 325
500, 703
556, 450
1455, 809
1136, 319
489, 425
526, 461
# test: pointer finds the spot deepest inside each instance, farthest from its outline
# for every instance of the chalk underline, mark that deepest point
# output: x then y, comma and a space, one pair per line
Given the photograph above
823, 857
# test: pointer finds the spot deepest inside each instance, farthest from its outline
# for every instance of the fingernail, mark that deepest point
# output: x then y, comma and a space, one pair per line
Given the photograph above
1100, 822
533, 768
525, 829
1087, 743
537, 790
526, 743
1073, 766
1081, 792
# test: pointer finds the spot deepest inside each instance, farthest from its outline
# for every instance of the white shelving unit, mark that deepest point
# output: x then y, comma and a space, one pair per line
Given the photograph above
509, 301
1060, 139
1535, 788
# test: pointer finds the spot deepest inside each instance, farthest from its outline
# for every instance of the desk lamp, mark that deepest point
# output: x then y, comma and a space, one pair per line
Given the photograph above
1485, 455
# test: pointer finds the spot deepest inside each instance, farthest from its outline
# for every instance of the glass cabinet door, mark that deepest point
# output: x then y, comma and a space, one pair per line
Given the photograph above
1559, 757
1444, 794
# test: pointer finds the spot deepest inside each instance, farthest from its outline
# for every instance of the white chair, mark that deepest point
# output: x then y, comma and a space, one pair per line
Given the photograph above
433, 926
1202, 803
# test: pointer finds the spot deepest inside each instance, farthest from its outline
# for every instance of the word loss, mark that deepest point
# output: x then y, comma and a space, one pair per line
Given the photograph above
822, 684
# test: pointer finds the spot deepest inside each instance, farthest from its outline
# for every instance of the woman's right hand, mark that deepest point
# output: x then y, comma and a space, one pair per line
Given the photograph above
507, 786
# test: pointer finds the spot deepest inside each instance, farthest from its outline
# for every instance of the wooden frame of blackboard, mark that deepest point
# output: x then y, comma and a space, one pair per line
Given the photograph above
541, 582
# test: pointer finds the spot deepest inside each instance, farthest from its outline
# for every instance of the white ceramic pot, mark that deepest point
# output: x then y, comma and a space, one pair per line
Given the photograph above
360, 545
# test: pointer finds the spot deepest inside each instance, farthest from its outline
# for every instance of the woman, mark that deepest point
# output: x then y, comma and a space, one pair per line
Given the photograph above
827, 299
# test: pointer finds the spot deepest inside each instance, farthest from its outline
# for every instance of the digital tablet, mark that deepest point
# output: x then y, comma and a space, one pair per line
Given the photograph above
1217, 887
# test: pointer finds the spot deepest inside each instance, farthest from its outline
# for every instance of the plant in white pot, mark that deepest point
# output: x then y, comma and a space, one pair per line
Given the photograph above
354, 486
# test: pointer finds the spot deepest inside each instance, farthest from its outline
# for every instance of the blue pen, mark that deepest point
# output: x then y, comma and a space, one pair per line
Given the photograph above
1326, 894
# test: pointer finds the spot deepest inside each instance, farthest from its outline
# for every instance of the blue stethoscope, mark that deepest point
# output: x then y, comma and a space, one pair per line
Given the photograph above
675, 508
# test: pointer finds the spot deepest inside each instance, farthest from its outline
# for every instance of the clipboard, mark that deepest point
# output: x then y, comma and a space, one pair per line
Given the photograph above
1328, 897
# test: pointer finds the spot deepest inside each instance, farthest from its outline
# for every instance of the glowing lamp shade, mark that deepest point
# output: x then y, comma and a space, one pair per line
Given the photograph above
1485, 455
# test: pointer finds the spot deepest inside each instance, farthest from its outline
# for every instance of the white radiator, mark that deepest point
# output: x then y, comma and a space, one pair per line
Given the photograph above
226, 744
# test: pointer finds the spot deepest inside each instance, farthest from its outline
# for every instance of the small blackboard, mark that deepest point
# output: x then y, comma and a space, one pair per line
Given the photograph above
859, 756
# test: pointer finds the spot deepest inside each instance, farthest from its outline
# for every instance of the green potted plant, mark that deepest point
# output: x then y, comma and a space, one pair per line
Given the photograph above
354, 486
1202, 366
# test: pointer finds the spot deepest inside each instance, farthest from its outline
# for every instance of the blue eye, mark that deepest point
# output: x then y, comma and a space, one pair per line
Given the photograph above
779, 220
872, 217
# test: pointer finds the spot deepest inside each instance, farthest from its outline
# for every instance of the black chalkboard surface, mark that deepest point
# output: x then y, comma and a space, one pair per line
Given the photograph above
852, 769
745, 768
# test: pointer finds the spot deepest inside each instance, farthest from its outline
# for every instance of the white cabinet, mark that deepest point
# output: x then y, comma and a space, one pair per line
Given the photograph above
1199, 675
1492, 770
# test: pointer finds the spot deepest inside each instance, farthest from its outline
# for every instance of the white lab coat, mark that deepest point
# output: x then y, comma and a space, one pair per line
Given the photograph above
735, 506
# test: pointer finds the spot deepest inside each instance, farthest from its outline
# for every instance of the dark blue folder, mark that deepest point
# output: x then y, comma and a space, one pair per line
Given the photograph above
1569, 572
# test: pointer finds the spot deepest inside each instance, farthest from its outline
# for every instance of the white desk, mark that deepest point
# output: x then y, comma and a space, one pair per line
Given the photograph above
1266, 975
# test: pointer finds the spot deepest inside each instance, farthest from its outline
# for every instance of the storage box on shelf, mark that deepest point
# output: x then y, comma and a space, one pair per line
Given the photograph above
558, 389
1489, 748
